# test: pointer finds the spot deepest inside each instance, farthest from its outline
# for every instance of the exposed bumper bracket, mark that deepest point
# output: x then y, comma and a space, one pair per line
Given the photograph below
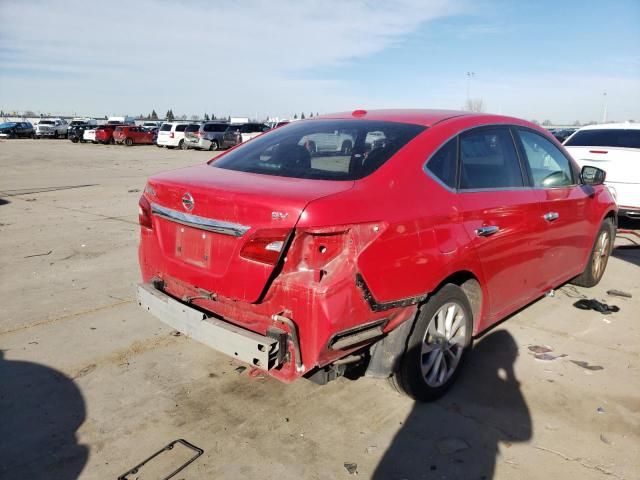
260, 351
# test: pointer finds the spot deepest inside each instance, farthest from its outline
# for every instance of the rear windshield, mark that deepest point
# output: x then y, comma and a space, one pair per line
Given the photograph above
321, 149
607, 137
181, 128
193, 128
215, 127
166, 127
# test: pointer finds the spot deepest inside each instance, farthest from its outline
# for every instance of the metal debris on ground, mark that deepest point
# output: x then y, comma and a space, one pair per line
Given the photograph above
39, 254
132, 474
540, 349
176, 333
600, 410
619, 293
586, 365
449, 445
352, 468
547, 357
240, 369
605, 439
593, 304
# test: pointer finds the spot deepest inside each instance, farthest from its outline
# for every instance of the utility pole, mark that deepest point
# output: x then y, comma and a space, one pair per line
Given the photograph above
604, 111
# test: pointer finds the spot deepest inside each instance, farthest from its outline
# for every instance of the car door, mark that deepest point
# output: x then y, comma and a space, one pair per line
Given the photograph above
498, 211
563, 206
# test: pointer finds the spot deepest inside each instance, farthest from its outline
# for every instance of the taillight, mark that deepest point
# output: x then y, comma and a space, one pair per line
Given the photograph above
144, 213
265, 246
172, 135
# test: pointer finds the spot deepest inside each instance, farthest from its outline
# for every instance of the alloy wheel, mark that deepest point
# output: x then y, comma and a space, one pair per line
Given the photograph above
600, 254
443, 344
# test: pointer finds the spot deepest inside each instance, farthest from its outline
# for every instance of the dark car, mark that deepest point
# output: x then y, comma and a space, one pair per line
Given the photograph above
16, 130
236, 134
562, 134
77, 128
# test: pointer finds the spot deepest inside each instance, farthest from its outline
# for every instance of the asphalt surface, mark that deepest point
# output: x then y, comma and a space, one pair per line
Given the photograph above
90, 385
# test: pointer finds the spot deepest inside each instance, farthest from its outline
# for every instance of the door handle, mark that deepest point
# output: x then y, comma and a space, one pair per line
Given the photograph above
551, 216
487, 231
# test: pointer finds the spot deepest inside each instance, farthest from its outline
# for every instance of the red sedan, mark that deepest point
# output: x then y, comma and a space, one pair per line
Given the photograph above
389, 256
132, 135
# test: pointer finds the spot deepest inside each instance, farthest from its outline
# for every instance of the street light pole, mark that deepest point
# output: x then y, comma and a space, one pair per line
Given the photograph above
604, 112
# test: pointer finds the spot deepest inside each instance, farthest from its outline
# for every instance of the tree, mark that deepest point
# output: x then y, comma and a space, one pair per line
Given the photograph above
183, 117
206, 117
169, 115
295, 116
474, 105
194, 117
302, 116
576, 123
311, 115
213, 116
154, 115
29, 113
546, 123
535, 121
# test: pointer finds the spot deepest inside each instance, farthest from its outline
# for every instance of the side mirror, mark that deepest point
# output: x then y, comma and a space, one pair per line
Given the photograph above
592, 175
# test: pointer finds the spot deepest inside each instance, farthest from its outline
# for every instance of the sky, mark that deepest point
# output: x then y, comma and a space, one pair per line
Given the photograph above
544, 60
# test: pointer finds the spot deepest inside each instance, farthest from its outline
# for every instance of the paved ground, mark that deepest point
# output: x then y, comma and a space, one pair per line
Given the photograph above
90, 385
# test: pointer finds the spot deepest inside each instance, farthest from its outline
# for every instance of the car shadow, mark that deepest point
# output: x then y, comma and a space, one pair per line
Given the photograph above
40, 411
4, 201
460, 435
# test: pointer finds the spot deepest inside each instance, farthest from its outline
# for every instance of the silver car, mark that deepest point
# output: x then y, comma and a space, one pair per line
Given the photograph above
207, 137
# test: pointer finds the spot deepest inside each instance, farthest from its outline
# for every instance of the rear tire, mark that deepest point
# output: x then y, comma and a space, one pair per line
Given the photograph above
597, 263
437, 346
128, 142
214, 146
181, 144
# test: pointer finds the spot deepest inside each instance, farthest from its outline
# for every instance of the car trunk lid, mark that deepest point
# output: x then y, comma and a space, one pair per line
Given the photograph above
621, 164
205, 217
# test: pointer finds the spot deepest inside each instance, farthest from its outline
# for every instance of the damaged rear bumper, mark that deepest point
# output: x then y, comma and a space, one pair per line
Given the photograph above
260, 351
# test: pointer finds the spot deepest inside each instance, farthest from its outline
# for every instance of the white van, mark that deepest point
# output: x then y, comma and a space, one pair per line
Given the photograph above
171, 134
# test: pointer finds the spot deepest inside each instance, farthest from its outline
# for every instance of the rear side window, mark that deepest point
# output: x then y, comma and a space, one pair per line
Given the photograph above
166, 127
215, 127
488, 159
321, 149
547, 164
607, 137
181, 128
443, 164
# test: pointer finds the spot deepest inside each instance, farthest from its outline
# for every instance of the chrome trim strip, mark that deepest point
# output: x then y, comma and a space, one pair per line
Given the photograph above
209, 224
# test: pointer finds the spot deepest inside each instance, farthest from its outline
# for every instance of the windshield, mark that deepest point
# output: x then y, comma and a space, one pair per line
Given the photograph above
7, 124
606, 137
321, 149
47, 122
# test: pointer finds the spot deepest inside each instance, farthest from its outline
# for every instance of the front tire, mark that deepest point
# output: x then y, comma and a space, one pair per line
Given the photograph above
599, 257
437, 346
214, 146
128, 142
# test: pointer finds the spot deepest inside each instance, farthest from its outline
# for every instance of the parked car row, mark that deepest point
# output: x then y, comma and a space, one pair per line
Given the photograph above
212, 135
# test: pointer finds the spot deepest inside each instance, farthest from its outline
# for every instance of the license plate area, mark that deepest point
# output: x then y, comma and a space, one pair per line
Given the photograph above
193, 246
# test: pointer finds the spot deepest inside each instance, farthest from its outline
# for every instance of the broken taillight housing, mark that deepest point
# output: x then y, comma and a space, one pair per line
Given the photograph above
317, 247
266, 245
144, 213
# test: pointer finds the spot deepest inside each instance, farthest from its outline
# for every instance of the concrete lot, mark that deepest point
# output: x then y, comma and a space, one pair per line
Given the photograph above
90, 385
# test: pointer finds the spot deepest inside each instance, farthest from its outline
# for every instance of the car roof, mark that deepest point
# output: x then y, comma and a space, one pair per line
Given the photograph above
424, 117
616, 126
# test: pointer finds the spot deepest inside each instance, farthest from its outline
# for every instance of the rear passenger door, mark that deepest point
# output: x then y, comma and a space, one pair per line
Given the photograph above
499, 213
563, 208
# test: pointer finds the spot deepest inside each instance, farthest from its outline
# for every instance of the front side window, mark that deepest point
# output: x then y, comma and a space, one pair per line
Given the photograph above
488, 160
321, 149
547, 164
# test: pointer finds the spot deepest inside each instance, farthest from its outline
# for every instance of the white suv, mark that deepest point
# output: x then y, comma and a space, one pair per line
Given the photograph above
615, 148
171, 134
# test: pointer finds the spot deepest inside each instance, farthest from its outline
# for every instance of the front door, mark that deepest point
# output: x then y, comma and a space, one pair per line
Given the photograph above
499, 214
563, 209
